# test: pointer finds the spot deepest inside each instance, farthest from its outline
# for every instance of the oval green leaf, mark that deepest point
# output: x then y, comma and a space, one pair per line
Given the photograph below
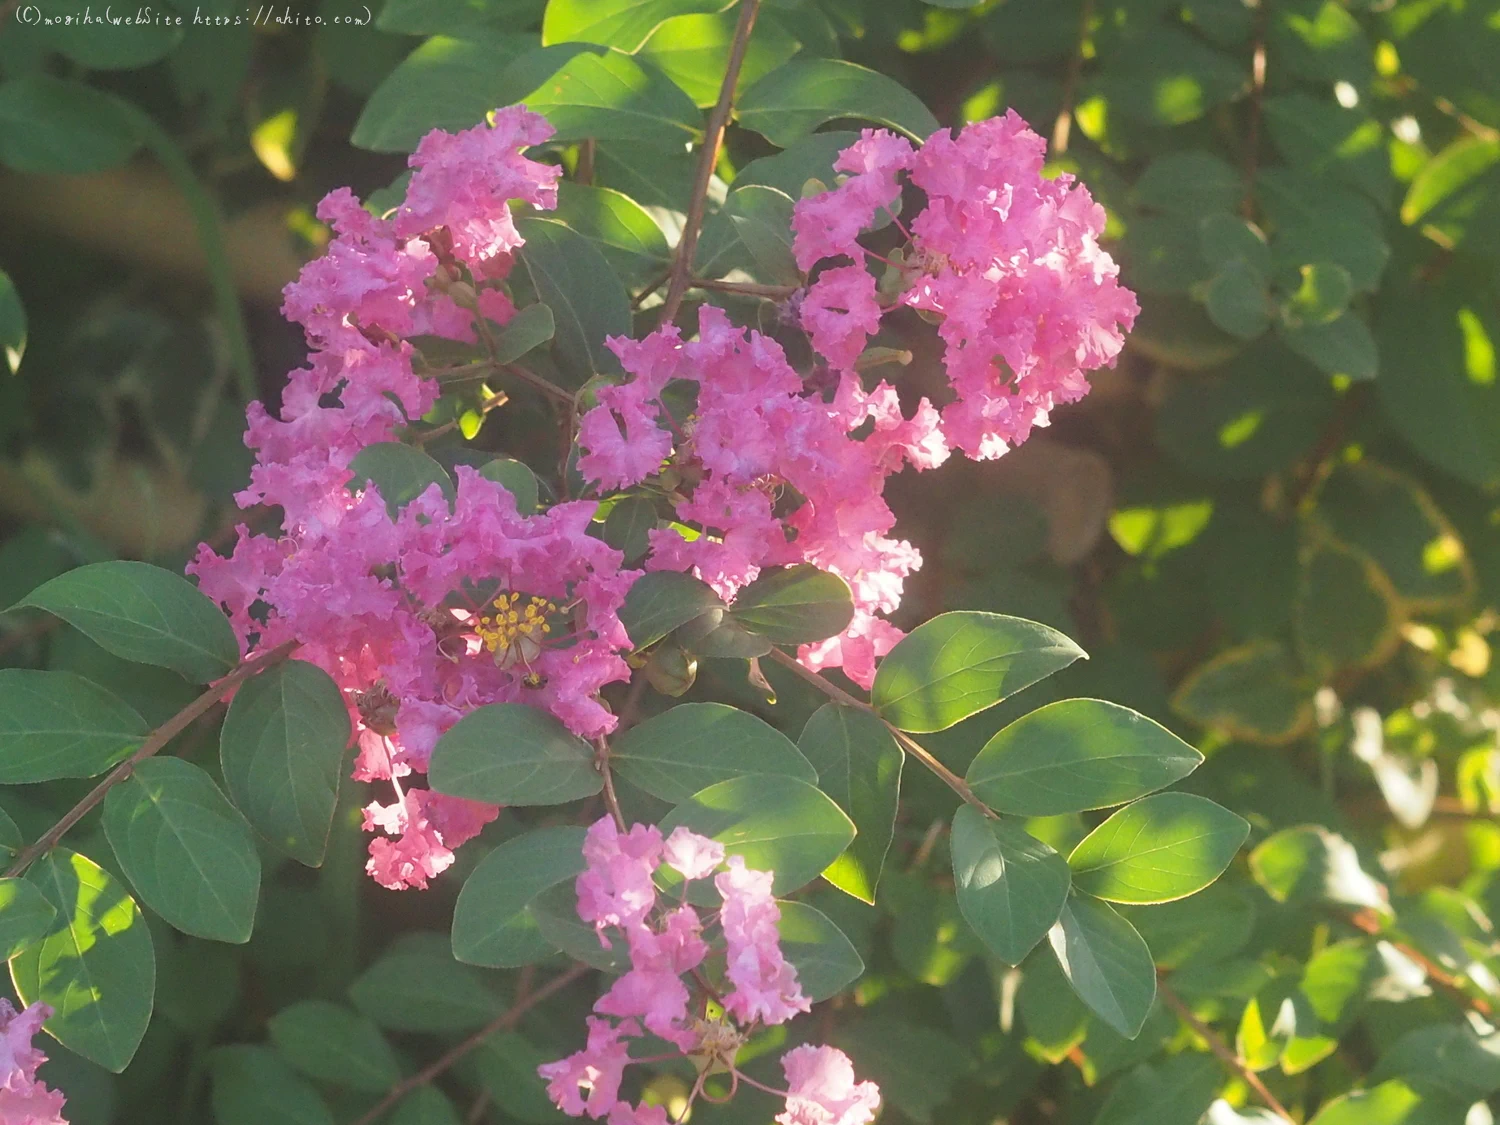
329, 1042
859, 765
97, 969
587, 299
792, 101
400, 472
1106, 961
662, 601
795, 605
1077, 754
691, 746
145, 614
612, 97
1010, 885
252, 1086
1158, 849
825, 959
493, 924
957, 664
281, 747
419, 988
55, 126
57, 724
513, 754
776, 823
187, 851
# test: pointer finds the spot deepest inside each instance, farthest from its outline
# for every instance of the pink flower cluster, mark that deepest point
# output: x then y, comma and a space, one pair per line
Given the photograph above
1008, 259
779, 478
617, 891
458, 601
24, 1100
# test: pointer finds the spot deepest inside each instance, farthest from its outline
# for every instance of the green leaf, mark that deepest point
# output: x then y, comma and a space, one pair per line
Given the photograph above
792, 101
1238, 300
12, 325
420, 988
1456, 167
1157, 849
1346, 610
1342, 346
587, 300
145, 614
1192, 184
1225, 238
517, 479
1077, 754
10, 836
493, 924
123, 45
1391, 1103
1449, 1056
612, 97
97, 969
825, 960
1106, 962
661, 601
506, 1064
628, 526
1249, 692
454, 17
425, 1106
762, 218
1322, 138
186, 850
693, 51
915, 1066
1331, 238
624, 231
530, 328
281, 747
252, 1086
446, 83
1311, 864
26, 916
1322, 296
652, 175
56, 724
624, 24
556, 913
513, 754
1010, 886
716, 634
1177, 1091
401, 472
332, 1044
1212, 925
776, 823
691, 746
1169, 77
795, 605
58, 126
1390, 519
957, 664
858, 763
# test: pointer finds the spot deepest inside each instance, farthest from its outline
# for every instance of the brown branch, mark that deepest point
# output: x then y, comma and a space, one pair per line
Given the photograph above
504, 1022
1221, 1049
1450, 984
1257, 100
1062, 128
718, 121
154, 742
601, 763
775, 292
909, 744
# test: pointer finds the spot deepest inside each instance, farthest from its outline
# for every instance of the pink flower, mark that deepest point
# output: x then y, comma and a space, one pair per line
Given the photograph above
24, 1100
822, 1090
626, 1114
615, 889
653, 989
840, 312
597, 1069
692, 856
765, 984
428, 826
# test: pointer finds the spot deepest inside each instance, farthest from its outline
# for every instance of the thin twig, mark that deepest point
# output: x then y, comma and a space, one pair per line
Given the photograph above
909, 744
1062, 128
1221, 1049
708, 158
601, 763
504, 1022
154, 742
661, 279
1445, 980
775, 292
1257, 99
499, 398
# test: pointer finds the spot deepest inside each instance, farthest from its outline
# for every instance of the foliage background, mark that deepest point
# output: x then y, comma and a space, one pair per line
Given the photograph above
1280, 508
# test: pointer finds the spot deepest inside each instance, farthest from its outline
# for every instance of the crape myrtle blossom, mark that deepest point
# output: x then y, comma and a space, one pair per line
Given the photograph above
457, 601
617, 891
24, 1099
1006, 259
